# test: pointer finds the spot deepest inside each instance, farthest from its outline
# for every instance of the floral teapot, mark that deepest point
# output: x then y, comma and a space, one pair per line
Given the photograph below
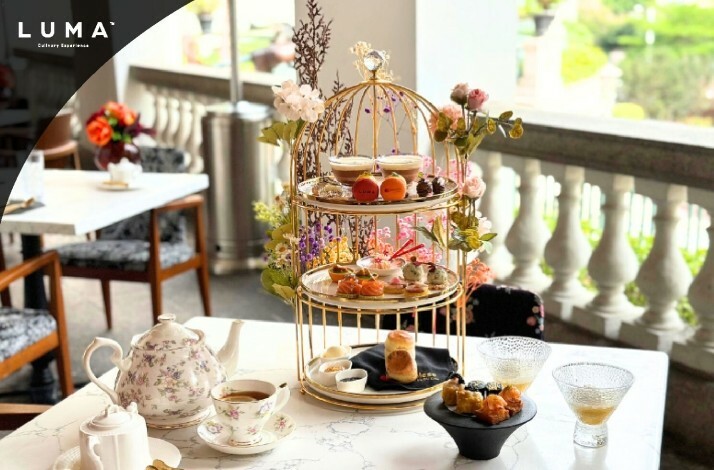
169, 372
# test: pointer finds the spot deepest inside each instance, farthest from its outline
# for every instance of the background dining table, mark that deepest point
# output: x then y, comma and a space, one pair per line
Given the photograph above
326, 437
76, 203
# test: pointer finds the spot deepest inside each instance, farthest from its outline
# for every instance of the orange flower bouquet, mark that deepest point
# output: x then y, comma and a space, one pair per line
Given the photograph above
113, 129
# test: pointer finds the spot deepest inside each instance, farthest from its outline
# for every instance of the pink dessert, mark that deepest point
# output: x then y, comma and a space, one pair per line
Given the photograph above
395, 286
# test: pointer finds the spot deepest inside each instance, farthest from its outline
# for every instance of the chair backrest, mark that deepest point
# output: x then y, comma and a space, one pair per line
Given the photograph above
494, 310
58, 132
173, 224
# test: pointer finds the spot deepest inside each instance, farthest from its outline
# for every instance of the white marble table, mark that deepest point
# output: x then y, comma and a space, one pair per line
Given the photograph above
331, 439
75, 204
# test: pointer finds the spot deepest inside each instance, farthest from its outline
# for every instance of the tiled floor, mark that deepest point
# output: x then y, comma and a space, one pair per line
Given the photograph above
234, 296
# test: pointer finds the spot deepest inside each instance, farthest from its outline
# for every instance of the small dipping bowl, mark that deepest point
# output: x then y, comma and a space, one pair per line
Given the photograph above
408, 166
328, 370
356, 380
346, 169
368, 262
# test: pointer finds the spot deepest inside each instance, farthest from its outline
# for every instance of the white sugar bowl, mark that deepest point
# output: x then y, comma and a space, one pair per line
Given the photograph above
115, 439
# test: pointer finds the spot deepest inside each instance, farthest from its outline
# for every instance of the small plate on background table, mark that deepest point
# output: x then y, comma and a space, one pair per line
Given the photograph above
278, 428
117, 186
158, 449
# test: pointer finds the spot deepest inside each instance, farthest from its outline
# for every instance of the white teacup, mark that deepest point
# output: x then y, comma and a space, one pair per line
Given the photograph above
115, 439
124, 171
244, 406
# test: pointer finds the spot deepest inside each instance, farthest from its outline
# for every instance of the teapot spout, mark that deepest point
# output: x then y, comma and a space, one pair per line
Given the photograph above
228, 355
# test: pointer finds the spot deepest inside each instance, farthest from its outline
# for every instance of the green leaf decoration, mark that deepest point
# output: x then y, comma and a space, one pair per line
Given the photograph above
505, 116
266, 281
491, 126
112, 121
427, 233
287, 293
488, 236
474, 242
440, 136
461, 126
439, 233
269, 136
516, 132
443, 122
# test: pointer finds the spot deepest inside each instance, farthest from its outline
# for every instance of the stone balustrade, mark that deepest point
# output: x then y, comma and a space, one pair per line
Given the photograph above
673, 165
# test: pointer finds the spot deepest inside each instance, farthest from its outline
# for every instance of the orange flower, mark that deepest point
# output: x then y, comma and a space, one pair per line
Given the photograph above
120, 112
99, 131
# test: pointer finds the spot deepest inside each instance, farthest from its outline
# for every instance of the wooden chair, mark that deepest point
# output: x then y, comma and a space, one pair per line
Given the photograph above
57, 144
27, 335
149, 248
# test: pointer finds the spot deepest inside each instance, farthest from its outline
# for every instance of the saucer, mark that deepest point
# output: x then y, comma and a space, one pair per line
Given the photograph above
117, 186
216, 435
159, 449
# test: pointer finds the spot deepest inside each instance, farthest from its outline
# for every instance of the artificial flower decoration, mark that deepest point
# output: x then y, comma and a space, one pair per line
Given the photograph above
299, 104
114, 122
465, 124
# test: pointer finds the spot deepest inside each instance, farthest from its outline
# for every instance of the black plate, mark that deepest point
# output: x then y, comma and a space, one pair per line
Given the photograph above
476, 440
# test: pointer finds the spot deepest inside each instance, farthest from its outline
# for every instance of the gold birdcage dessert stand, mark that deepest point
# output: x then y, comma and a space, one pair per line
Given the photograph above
330, 226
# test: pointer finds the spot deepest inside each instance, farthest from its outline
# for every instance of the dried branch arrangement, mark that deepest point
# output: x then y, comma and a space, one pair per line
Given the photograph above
312, 39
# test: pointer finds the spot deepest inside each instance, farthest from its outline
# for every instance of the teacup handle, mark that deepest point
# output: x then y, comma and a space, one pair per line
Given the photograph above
283, 397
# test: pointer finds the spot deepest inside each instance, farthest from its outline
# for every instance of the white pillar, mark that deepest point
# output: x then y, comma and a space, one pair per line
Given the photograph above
528, 235
613, 263
698, 352
568, 250
492, 206
664, 277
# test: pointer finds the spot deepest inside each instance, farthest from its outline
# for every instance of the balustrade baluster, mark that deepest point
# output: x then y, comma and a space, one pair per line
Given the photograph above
613, 263
664, 277
528, 235
698, 351
158, 113
167, 134
568, 250
499, 260
184, 120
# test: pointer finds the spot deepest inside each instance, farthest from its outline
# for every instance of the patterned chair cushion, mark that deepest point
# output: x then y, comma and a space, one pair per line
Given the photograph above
172, 225
492, 310
20, 328
127, 255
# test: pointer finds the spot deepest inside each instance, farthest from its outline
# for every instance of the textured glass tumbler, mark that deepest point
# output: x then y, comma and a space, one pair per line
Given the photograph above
593, 391
514, 360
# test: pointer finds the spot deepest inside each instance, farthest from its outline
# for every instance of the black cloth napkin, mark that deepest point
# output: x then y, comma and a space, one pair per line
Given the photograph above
434, 366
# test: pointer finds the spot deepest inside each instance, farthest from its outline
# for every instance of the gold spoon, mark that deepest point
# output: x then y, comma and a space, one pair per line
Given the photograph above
10, 208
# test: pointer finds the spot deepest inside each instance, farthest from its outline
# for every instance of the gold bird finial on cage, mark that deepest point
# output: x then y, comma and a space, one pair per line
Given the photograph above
371, 63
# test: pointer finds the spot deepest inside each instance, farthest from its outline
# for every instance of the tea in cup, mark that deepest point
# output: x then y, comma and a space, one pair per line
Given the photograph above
244, 406
116, 439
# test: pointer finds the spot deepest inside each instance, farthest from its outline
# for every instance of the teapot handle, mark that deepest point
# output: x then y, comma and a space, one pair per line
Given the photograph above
116, 360
93, 443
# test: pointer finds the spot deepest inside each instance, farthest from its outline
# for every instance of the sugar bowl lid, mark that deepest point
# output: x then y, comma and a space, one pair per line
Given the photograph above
111, 420
168, 334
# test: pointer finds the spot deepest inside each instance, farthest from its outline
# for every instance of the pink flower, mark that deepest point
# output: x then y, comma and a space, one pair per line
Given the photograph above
460, 94
473, 187
477, 97
452, 111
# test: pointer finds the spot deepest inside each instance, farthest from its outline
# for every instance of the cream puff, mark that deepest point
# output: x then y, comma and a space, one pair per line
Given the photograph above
413, 271
436, 278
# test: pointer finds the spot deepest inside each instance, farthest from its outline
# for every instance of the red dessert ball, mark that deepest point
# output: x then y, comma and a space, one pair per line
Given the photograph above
365, 189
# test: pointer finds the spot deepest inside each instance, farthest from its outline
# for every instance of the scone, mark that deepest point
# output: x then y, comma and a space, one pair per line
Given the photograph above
401, 366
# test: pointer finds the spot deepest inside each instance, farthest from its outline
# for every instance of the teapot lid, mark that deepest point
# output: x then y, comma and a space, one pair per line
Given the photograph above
166, 335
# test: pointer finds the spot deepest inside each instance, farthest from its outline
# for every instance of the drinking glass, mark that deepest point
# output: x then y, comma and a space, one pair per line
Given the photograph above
593, 391
514, 360
34, 175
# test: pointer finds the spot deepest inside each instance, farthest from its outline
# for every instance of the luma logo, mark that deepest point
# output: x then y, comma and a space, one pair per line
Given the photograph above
47, 29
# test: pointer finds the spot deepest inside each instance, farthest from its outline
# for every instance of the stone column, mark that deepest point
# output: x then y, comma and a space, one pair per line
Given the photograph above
492, 206
613, 264
698, 352
568, 250
528, 235
664, 277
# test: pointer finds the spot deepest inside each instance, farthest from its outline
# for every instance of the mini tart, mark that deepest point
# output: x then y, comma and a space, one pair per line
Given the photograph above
416, 289
338, 272
372, 289
437, 287
364, 275
395, 286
